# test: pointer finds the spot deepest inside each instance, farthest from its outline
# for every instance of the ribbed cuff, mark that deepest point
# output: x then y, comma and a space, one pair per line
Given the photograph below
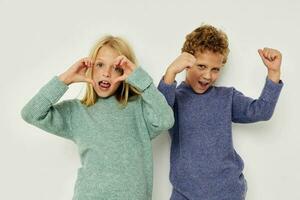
271, 90
54, 89
139, 79
167, 87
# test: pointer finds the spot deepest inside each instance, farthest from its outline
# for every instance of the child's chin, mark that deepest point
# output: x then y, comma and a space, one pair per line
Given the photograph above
103, 95
200, 91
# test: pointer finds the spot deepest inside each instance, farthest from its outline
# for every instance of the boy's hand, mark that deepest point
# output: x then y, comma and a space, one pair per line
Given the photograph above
77, 72
185, 60
125, 65
272, 60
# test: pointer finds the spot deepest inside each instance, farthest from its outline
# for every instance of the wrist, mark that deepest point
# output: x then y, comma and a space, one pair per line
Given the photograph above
63, 77
274, 75
169, 76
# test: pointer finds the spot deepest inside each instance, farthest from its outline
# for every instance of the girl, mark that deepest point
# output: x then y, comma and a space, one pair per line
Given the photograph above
112, 125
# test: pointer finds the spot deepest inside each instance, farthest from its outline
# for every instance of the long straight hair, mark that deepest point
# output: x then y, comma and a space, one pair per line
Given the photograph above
125, 91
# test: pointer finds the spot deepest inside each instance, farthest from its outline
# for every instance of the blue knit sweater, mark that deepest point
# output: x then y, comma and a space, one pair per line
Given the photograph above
204, 164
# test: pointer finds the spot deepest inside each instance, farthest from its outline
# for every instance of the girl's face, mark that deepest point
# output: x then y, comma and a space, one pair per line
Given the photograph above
205, 71
105, 72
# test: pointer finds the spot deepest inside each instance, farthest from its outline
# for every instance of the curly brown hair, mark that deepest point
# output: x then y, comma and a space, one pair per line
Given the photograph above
206, 38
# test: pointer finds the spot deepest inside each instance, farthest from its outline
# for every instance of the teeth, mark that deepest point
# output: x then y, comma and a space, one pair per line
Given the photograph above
104, 82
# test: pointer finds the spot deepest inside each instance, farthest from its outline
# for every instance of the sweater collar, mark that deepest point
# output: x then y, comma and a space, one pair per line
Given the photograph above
111, 100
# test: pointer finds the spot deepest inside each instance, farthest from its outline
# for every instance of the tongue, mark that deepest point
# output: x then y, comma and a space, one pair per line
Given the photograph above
105, 85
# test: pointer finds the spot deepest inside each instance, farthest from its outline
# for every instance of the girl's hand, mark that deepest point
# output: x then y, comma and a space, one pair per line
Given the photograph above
185, 60
272, 60
77, 72
126, 65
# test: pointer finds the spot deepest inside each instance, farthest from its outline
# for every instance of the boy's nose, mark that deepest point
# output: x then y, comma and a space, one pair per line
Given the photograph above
207, 75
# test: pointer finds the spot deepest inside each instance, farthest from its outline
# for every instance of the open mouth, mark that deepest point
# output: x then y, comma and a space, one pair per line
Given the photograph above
104, 84
203, 84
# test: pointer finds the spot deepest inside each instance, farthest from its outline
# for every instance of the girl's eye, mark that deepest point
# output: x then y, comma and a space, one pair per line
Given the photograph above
119, 70
99, 65
216, 69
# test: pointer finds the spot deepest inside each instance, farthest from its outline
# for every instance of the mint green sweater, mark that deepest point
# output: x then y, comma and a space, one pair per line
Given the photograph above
114, 143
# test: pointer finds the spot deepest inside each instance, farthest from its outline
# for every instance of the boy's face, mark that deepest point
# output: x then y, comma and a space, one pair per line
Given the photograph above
105, 72
205, 71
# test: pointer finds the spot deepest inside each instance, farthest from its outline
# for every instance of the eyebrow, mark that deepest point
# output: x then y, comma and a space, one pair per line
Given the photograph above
100, 59
218, 67
103, 61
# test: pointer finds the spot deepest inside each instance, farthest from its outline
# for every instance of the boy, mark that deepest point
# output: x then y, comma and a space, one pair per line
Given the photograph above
204, 164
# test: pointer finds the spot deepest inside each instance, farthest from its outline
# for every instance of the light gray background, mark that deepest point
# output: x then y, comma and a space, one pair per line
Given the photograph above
40, 39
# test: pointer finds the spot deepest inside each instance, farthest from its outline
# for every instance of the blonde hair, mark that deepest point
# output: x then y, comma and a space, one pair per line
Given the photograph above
125, 92
207, 38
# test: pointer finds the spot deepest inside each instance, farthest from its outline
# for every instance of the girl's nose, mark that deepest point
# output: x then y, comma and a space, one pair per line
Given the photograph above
107, 72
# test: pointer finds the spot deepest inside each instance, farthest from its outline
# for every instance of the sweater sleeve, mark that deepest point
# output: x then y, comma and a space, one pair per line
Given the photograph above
156, 112
247, 110
41, 111
168, 90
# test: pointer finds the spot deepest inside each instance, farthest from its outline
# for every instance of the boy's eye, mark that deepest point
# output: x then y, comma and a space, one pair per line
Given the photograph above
201, 66
216, 69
